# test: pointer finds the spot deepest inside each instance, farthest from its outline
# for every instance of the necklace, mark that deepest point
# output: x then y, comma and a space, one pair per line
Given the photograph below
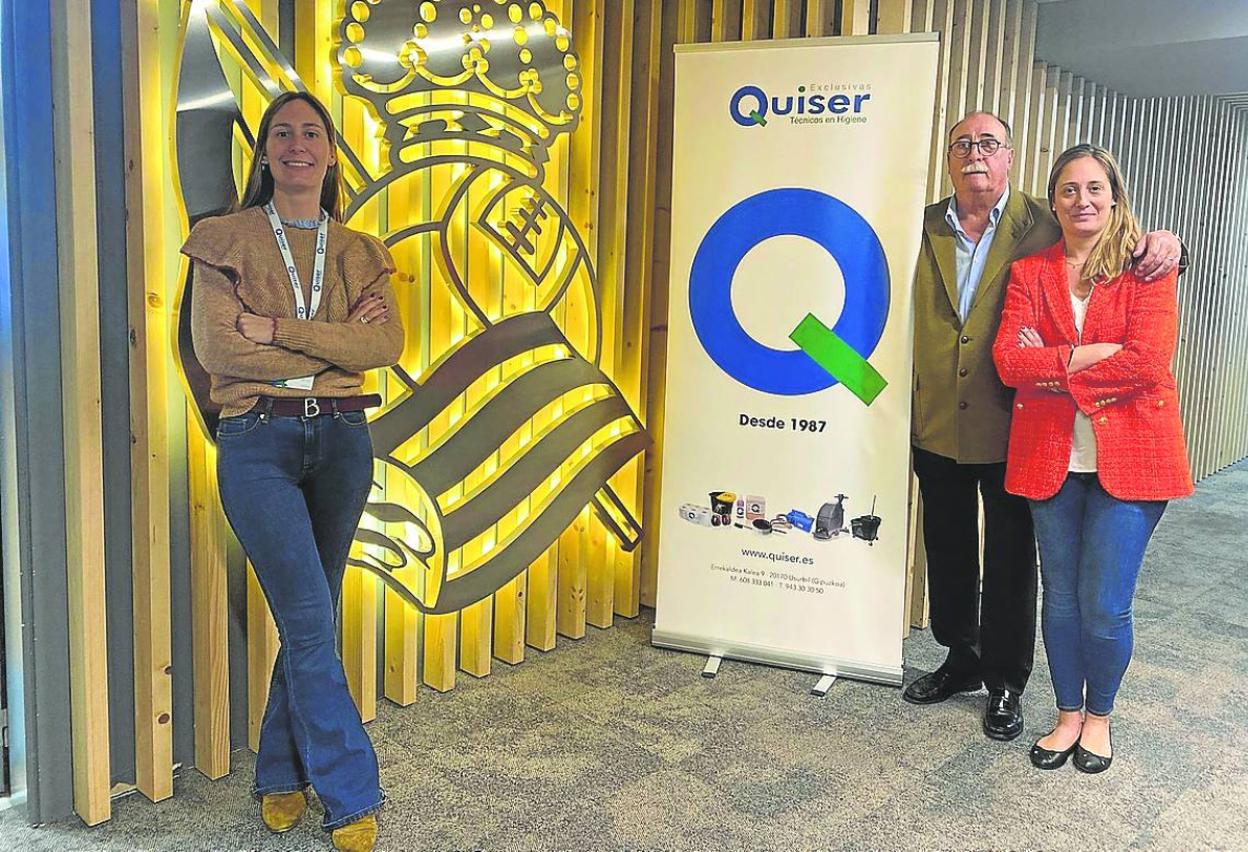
1075, 264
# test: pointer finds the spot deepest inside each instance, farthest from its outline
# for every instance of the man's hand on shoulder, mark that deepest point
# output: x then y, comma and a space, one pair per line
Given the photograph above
1157, 254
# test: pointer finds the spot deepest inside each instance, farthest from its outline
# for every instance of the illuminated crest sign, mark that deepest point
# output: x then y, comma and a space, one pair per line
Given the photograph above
469, 97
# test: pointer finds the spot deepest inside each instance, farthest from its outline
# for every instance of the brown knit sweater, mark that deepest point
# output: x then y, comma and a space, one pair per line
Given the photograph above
239, 269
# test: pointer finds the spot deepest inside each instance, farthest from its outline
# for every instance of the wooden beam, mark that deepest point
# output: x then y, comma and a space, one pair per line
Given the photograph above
942, 22
855, 18
476, 636
262, 645
977, 54
74, 153
633, 372
543, 595
893, 16
820, 18
995, 57
209, 607
510, 604
570, 617
755, 19
148, 310
786, 18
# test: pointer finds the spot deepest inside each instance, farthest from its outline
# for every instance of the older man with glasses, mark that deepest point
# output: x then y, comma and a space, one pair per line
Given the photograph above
961, 423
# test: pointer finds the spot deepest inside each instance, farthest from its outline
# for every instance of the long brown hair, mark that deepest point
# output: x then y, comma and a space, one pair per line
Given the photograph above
259, 188
1111, 254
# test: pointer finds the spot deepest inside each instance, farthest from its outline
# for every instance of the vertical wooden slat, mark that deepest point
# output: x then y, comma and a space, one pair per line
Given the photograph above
359, 587
570, 609
996, 56
80, 391
476, 635
262, 645
977, 55
687, 21
149, 452
542, 596
209, 608
439, 651
633, 374
1235, 445
1062, 128
510, 608
1075, 117
660, 280
941, 20
1215, 300
893, 16
959, 36
727, 19
402, 652
755, 19
585, 206
818, 18
1020, 112
1047, 126
855, 17
402, 623
786, 18
612, 214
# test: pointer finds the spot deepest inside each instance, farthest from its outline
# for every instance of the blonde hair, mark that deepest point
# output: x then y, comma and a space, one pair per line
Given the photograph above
1111, 254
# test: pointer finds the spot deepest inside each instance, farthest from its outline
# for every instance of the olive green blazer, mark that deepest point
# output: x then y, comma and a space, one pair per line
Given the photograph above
960, 408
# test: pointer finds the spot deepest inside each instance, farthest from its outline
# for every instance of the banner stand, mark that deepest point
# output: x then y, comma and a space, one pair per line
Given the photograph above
743, 651
799, 179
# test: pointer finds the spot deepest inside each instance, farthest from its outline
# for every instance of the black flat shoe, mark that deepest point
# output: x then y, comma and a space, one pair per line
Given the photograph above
1091, 763
939, 686
1042, 758
1003, 717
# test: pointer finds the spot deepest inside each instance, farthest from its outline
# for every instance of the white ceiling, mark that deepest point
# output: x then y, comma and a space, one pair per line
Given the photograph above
1149, 47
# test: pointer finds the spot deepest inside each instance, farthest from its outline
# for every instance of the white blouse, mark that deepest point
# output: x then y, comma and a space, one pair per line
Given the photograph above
1083, 447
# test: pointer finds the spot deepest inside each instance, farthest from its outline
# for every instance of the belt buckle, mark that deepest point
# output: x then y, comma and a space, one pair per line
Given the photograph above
311, 408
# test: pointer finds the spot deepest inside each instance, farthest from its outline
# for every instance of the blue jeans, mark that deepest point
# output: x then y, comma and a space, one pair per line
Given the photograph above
293, 489
1091, 548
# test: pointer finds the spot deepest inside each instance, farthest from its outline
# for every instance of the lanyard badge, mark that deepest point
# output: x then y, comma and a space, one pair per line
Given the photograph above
302, 309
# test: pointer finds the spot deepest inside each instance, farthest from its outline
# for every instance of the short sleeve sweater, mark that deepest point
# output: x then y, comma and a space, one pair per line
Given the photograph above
238, 268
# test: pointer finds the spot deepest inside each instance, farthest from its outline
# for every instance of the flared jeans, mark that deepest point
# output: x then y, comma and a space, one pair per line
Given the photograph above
293, 489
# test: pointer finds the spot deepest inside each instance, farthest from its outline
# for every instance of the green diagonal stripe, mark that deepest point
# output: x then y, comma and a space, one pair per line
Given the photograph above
838, 358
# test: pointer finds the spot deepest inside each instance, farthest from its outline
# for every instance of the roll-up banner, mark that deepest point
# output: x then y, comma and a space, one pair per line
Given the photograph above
799, 174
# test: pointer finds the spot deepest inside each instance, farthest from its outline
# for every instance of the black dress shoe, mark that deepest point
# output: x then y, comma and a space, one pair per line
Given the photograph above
1003, 718
939, 685
1043, 758
1089, 762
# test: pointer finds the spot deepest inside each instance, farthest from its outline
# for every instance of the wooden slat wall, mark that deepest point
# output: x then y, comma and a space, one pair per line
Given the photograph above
1186, 160
149, 462
80, 390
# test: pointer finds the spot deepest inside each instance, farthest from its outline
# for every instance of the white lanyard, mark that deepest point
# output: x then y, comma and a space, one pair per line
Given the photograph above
318, 267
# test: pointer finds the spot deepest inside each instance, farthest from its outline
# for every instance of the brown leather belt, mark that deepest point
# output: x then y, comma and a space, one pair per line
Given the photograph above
313, 406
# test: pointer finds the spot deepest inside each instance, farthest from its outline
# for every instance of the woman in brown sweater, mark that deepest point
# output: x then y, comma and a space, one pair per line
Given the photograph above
288, 308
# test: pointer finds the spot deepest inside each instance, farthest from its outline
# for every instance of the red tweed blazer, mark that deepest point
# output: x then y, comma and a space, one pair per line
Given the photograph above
1130, 396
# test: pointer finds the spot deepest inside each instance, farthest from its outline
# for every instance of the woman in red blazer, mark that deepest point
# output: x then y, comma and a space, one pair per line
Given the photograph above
1096, 443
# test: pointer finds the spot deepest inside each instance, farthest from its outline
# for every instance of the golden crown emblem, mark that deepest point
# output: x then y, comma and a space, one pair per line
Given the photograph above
491, 71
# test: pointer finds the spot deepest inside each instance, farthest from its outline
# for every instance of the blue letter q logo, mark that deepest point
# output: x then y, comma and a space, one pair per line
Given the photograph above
757, 115
824, 356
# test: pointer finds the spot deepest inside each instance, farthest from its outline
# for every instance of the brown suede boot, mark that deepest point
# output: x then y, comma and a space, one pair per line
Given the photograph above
358, 836
281, 811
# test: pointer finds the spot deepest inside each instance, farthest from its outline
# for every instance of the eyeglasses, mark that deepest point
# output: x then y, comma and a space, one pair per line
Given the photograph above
987, 146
